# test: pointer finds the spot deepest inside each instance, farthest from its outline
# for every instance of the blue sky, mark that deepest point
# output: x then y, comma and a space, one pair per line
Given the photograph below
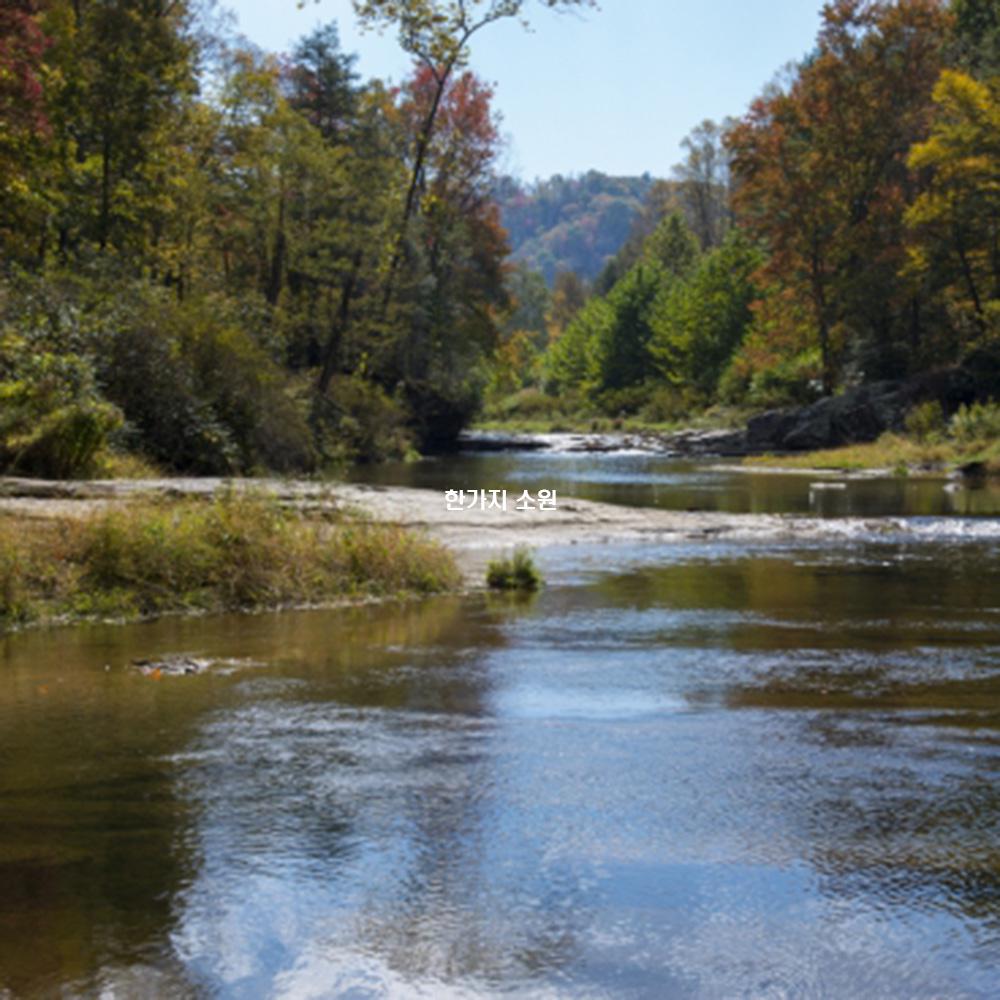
616, 89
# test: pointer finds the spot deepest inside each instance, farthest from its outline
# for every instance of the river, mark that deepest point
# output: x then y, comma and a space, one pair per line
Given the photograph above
713, 769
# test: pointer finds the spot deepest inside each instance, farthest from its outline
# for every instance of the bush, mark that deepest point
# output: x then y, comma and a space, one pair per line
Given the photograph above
667, 404
528, 404
358, 422
440, 407
52, 421
201, 393
978, 422
517, 572
629, 401
65, 443
794, 381
926, 421
194, 380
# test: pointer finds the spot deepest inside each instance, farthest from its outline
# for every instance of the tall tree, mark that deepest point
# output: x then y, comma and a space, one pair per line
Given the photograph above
821, 176
956, 220
977, 36
456, 274
23, 120
437, 34
702, 322
323, 83
127, 72
704, 182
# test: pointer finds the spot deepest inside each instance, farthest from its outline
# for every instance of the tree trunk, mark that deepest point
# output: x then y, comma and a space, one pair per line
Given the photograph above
331, 350
410, 204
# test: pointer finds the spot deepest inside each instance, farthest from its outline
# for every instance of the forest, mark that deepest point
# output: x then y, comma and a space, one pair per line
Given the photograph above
220, 260
569, 223
843, 231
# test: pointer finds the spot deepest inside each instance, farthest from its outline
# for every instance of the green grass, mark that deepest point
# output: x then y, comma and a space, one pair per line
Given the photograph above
516, 572
895, 452
652, 411
230, 553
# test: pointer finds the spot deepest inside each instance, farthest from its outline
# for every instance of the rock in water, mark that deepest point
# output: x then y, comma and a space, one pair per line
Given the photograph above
172, 666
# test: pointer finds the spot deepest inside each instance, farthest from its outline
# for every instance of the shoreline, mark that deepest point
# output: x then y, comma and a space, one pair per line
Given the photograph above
890, 456
575, 521
472, 538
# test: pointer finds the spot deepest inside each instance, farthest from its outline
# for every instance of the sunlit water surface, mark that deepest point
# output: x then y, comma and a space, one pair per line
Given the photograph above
710, 770
648, 480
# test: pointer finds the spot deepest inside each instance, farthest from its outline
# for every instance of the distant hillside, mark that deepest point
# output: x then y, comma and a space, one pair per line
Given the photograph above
570, 223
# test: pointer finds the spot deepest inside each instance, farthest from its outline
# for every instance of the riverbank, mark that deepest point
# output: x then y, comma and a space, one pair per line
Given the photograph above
72, 550
893, 454
890, 454
134, 554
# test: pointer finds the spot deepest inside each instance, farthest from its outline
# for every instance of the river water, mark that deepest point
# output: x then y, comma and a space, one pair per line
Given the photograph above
689, 770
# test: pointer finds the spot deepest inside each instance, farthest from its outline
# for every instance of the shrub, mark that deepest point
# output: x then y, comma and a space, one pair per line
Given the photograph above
517, 572
791, 381
202, 394
628, 401
65, 443
926, 421
528, 404
978, 422
52, 421
667, 404
357, 421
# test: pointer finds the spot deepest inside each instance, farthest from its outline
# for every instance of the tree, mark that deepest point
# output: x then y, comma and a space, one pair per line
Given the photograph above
437, 34
704, 182
661, 200
977, 36
567, 363
620, 357
124, 75
821, 176
456, 278
703, 321
568, 297
23, 119
956, 221
323, 84
672, 246
530, 301
606, 348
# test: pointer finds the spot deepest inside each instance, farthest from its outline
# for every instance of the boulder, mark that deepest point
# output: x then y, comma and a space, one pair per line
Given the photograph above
860, 414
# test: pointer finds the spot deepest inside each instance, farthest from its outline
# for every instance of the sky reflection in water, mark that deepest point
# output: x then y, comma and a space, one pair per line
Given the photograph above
703, 771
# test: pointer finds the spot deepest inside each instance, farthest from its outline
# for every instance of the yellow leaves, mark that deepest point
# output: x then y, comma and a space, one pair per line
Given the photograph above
966, 132
950, 222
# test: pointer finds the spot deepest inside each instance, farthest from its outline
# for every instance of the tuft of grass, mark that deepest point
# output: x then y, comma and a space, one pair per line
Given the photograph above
124, 465
516, 572
235, 552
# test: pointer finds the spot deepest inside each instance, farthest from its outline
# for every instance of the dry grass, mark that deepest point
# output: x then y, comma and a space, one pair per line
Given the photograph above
229, 553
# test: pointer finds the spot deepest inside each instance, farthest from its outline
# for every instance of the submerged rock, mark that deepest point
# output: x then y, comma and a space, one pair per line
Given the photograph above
715, 442
172, 666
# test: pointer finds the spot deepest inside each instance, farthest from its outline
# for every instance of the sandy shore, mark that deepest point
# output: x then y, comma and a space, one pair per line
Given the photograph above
477, 535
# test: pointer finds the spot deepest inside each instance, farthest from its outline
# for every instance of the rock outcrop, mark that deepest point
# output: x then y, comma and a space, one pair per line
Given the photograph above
862, 413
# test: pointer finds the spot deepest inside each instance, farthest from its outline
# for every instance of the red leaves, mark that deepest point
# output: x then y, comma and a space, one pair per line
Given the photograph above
22, 45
